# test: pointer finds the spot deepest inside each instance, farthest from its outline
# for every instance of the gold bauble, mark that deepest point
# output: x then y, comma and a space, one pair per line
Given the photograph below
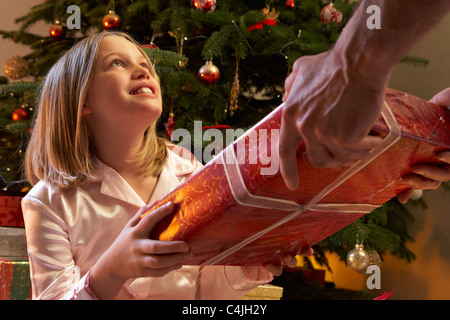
16, 67
358, 258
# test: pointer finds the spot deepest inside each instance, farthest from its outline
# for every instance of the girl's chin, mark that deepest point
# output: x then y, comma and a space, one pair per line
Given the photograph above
148, 108
146, 114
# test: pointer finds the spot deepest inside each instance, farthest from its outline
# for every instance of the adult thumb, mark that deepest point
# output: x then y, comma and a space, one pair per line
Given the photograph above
442, 98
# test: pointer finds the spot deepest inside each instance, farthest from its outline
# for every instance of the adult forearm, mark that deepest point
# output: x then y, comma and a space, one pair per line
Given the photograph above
373, 52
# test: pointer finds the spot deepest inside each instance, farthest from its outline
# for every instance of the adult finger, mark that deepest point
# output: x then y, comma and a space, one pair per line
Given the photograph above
420, 183
288, 144
352, 151
287, 86
289, 81
404, 196
306, 252
320, 157
432, 172
444, 156
290, 261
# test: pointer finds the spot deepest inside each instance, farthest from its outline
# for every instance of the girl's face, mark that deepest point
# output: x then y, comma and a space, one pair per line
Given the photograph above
122, 92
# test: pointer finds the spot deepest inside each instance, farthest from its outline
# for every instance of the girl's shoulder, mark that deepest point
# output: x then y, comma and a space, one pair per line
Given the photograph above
42, 200
44, 193
41, 191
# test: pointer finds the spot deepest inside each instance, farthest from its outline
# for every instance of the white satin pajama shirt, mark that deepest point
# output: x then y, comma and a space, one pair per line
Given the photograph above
68, 231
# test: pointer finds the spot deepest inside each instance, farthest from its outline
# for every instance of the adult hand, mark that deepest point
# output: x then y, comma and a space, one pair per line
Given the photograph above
273, 269
425, 175
332, 110
133, 254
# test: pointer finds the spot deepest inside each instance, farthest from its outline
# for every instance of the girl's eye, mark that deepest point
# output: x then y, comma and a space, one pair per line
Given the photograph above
117, 63
145, 65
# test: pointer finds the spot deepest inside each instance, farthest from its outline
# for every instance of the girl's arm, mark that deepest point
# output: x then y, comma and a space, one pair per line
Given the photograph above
52, 268
54, 274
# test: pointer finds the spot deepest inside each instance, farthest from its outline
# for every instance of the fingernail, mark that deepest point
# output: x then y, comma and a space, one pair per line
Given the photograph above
292, 185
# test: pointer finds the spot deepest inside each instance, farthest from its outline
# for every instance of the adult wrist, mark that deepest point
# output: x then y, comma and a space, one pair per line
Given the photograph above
359, 68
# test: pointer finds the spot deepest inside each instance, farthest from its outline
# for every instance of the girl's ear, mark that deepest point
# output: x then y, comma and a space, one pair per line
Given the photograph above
86, 110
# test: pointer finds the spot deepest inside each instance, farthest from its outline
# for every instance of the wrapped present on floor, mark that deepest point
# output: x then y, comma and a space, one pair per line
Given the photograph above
264, 292
237, 211
11, 210
13, 242
15, 283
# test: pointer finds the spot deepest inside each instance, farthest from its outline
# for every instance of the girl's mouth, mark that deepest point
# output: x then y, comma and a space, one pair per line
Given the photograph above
142, 90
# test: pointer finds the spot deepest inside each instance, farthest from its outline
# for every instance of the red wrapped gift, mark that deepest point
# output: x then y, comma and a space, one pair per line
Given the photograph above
237, 211
15, 283
11, 211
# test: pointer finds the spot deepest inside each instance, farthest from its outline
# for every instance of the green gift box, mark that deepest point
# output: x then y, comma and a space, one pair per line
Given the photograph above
15, 281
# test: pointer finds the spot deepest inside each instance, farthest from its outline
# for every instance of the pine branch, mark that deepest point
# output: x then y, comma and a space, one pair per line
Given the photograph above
19, 128
414, 61
19, 87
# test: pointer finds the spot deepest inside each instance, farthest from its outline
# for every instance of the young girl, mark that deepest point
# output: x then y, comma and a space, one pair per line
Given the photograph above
96, 165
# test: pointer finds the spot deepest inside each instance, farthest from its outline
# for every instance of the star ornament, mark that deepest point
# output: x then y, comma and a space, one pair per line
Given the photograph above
170, 126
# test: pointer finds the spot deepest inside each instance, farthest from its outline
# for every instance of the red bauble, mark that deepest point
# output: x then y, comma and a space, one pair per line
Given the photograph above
151, 45
330, 14
209, 73
290, 3
111, 21
20, 114
204, 5
57, 31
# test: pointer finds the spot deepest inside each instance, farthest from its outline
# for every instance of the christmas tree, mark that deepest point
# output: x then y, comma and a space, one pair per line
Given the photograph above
220, 62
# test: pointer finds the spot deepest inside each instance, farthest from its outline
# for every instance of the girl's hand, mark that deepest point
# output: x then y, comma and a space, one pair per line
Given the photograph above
133, 254
428, 176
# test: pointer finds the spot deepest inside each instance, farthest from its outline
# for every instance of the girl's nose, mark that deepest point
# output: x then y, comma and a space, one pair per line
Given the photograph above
141, 72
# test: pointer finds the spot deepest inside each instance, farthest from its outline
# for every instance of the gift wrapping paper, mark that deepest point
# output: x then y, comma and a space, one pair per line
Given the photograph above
233, 214
15, 283
11, 211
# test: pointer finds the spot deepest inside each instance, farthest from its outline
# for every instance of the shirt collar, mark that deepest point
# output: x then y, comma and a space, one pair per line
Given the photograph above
177, 167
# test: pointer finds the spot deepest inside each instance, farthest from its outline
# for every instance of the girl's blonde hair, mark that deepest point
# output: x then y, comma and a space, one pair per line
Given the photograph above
59, 151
